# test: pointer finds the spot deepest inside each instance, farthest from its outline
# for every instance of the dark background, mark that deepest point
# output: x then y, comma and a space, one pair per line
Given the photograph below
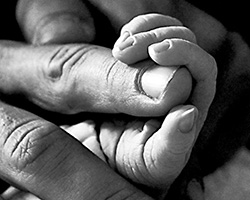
233, 14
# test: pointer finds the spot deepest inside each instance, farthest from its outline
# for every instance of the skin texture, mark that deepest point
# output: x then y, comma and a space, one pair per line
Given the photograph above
42, 88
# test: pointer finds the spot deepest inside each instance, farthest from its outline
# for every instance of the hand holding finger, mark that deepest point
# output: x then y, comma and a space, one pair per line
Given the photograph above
151, 152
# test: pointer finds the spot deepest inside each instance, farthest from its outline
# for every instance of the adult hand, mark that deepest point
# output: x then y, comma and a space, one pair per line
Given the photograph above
39, 157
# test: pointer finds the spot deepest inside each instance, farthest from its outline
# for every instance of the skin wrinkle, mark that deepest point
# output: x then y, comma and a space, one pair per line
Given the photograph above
23, 145
60, 156
25, 129
148, 155
144, 146
47, 160
54, 73
138, 130
116, 83
60, 66
110, 69
65, 56
5, 123
116, 146
138, 77
117, 129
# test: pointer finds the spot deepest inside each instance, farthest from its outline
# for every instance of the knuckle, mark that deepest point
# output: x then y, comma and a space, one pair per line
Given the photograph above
60, 75
28, 145
62, 60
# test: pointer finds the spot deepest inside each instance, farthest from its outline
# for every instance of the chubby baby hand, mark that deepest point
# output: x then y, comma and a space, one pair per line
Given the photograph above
148, 151
147, 37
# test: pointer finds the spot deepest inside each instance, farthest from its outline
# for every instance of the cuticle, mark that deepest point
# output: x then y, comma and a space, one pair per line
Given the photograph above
169, 81
139, 84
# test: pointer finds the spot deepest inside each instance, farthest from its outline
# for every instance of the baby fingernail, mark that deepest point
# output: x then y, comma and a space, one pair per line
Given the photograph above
154, 81
126, 40
188, 120
160, 47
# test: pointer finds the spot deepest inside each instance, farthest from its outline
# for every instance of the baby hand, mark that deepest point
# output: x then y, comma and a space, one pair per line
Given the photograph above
140, 36
141, 32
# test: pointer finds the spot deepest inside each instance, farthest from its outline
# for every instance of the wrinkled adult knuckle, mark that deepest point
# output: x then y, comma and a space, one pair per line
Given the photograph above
62, 61
120, 83
26, 143
61, 73
113, 72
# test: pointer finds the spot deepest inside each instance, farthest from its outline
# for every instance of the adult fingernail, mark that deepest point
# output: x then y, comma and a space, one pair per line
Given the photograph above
154, 81
188, 120
126, 40
161, 46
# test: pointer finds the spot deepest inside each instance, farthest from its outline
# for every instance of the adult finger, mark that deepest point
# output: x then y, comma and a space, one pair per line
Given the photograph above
77, 77
55, 21
38, 157
201, 65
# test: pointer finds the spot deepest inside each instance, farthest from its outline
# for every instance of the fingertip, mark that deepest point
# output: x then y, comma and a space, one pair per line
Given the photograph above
179, 130
159, 47
188, 120
122, 48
